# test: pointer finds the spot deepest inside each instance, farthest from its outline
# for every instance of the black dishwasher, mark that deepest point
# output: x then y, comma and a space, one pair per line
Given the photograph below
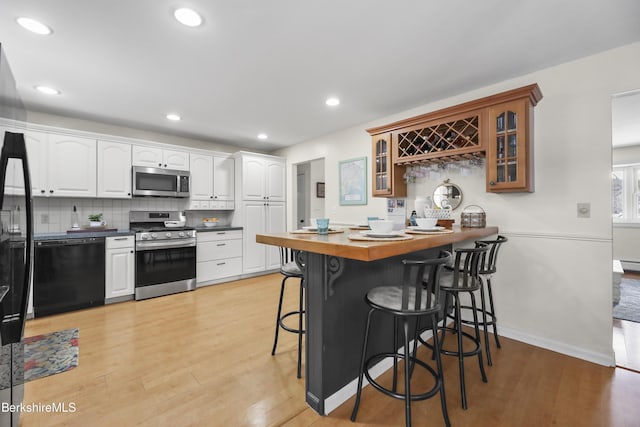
68, 275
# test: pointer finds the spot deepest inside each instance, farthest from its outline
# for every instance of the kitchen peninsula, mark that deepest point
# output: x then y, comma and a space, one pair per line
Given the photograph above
338, 272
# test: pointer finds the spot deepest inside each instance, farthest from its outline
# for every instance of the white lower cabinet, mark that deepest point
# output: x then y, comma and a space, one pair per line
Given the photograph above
218, 256
260, 218
119, 267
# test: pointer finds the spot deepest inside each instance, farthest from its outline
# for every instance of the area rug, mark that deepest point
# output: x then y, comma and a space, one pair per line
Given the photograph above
50, 354
629, 306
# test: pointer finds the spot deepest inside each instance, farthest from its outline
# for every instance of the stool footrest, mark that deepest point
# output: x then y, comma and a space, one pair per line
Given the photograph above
481, 322
287, 328
468, 353
421, 396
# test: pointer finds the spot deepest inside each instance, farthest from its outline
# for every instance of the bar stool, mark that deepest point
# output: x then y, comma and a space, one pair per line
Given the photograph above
290, 269
487, 269
462, 277
406, 302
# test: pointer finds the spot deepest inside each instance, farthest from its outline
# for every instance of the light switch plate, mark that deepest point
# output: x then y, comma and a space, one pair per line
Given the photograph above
584, 210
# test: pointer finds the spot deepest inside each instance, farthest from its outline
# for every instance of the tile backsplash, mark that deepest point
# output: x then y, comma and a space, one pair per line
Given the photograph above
51, 215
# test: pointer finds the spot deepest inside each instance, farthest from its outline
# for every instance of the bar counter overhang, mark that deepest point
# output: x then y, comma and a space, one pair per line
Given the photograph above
338, 273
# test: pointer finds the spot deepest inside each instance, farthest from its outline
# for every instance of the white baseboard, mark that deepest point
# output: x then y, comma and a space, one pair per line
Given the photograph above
558, 347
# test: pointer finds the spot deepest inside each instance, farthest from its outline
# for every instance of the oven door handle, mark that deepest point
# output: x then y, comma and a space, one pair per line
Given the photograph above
165, 244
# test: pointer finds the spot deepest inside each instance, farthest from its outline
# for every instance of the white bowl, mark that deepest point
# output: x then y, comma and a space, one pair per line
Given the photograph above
426, 222
381, 226
210, 223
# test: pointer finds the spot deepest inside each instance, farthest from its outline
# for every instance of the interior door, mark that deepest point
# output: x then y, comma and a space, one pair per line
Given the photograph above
301, 199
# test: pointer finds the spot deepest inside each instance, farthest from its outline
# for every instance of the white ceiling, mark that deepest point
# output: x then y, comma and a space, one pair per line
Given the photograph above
268, 66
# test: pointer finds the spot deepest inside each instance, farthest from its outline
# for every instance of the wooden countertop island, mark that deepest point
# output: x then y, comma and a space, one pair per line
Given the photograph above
338, 272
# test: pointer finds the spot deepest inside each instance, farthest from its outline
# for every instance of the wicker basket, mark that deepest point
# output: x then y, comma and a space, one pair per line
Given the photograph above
473, 216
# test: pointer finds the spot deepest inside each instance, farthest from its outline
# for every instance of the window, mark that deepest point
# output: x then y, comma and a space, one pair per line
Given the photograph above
625, 191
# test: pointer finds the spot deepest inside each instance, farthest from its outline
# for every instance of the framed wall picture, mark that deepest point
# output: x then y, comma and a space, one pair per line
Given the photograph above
320, 190
353, 181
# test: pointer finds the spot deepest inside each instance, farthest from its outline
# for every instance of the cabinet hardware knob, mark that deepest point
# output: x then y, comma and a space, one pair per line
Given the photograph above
159, 164
131, 251
221, 263
42, 191
165, 165
128, 194
221, 244
492, 183
51, 191
211, 197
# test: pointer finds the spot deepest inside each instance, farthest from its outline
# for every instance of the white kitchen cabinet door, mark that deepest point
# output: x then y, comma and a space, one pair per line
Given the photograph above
114, 170
35, 142
72, 166
253, 178
275, 180
178, 160
253, 254
150, 157
202, 175
153, 157
275, 223
119, 267
37, 152
223, 178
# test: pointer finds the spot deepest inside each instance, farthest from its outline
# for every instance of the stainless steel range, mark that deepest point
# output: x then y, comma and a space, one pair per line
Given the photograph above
165, 253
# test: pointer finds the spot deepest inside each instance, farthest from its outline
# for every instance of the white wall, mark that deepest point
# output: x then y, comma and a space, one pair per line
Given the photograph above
553, 288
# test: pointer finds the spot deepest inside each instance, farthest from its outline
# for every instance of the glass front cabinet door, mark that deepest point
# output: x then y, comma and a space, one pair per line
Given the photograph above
510, 147
387, 177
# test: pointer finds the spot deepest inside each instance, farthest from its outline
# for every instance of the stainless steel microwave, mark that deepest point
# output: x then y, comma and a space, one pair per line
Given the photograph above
160, 182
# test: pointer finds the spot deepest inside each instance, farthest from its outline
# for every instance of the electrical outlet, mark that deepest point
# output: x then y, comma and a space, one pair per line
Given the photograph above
44, 218
584, 210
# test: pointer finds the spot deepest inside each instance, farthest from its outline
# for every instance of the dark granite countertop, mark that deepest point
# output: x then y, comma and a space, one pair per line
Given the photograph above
203, 229
65, 235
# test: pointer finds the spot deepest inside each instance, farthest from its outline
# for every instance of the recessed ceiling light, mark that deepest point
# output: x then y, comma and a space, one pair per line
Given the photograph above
47, 90
188, 17
34, 26
173, 117
332, 102
263, 136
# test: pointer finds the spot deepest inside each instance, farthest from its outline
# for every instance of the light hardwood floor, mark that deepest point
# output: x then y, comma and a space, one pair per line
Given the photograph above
203, 359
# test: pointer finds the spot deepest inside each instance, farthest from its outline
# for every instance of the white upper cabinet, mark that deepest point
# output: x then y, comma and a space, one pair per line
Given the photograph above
275, 180
223, 178
263, 178
201, 167
72, 166
178, 160
35, 143
158, 158
114, 170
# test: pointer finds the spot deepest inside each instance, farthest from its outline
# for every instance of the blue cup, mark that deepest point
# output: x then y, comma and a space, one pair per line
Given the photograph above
323, 225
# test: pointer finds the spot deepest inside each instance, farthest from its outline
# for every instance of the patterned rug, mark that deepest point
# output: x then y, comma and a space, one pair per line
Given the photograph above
50, 354
629, 306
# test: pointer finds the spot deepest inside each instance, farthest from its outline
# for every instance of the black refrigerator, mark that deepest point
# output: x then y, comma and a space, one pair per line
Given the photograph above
16, 243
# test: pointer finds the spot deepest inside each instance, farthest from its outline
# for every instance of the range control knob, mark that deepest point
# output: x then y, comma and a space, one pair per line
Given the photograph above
168, 235
144, 236
154, 236
181, 234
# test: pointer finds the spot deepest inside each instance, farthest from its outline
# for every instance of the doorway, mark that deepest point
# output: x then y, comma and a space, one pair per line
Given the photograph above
625, 176
309, 202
